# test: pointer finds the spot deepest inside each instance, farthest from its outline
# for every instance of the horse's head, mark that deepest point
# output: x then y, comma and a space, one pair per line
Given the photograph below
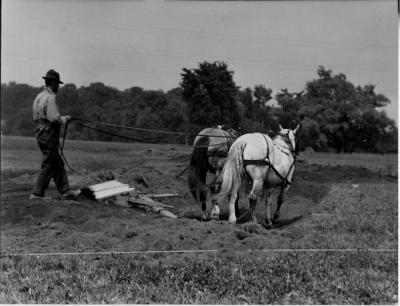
289, 136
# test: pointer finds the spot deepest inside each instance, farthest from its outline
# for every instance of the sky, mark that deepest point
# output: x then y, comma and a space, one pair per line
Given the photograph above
146, 43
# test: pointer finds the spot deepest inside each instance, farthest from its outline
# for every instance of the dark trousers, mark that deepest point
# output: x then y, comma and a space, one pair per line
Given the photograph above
47, 137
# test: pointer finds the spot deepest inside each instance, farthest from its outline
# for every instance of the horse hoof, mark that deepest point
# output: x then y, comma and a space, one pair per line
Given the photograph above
205, 217
214, 217
215, 212
268, 226
232, 220
275, 217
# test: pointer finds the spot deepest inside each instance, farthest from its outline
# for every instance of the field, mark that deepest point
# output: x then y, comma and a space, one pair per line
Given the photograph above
336, 241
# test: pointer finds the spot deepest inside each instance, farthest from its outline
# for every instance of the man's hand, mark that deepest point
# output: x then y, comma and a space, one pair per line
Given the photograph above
65, 119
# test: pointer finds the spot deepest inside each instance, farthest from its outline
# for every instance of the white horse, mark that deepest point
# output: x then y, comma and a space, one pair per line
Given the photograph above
266, 163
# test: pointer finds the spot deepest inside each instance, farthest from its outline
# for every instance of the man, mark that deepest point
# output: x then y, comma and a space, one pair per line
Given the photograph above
47, 132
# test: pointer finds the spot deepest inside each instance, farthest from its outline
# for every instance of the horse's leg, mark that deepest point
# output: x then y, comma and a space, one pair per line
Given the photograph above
281, 197
232, 201
237, 205
215, 208
203, 201
254, 194
268, 202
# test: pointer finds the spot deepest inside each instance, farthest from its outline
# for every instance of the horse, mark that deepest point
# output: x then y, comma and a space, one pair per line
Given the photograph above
210, 150
263, 163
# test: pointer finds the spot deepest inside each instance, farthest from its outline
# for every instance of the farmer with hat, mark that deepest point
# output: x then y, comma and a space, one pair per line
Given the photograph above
47, 132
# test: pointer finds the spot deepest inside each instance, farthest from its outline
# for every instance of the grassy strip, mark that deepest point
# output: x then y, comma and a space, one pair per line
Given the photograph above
382, 163
362, 217
284, 278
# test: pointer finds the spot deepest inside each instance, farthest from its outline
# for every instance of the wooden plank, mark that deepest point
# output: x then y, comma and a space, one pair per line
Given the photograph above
162, 195
168, 214
144, 200
106, 185
112, 192
146, 204
155, 206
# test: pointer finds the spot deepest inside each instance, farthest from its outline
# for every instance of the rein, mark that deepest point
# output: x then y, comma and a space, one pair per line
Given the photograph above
142, 129
61, 147
109, 133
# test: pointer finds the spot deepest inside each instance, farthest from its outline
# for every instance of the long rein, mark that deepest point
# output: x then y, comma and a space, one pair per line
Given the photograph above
61, 146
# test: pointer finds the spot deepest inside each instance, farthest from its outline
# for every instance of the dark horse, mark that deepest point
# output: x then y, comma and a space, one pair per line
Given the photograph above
210, 150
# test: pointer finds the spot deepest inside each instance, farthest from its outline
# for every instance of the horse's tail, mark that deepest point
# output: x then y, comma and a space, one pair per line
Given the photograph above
233, 171
197, 169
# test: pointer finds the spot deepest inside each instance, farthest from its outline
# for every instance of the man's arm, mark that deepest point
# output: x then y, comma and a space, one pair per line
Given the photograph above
53, 115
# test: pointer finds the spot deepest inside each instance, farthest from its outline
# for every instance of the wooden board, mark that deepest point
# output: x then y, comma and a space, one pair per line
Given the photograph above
107, 185
144, 200
162, 195
107, 189
102, 194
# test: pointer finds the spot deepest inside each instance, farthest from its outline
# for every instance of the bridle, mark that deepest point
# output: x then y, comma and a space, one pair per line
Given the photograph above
292, 150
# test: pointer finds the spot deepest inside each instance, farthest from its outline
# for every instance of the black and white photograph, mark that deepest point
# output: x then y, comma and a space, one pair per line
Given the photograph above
199, 152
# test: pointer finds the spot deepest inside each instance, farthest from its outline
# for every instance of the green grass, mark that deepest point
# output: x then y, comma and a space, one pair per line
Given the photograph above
380, 163
364, 217
22, 153
299, 278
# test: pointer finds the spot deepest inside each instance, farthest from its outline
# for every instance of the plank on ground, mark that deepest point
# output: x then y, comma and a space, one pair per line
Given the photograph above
112, 192
107, 185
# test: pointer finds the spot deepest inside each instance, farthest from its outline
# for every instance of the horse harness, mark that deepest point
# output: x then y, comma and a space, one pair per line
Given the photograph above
216, 153
266, 162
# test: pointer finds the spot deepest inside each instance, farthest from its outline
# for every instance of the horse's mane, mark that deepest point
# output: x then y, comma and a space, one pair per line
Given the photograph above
233, 133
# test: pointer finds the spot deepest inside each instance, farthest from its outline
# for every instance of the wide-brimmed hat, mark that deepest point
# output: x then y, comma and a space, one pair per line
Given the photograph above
53, 75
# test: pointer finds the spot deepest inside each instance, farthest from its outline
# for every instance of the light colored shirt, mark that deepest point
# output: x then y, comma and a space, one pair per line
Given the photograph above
45, 107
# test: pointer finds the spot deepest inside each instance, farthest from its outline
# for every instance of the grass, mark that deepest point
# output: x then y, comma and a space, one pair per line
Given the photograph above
340, 278
380, 163
364, 217
22, 153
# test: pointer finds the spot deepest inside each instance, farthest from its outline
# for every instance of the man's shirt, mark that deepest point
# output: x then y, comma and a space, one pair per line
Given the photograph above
45, 107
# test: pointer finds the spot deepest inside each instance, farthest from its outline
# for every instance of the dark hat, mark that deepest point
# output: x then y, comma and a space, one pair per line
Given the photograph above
53, 75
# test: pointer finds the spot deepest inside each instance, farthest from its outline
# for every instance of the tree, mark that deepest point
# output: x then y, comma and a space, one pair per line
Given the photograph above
329, 99
246, 98
290, 104
344, 112
210, 93
16, 108
261, 96
311, 136
69, 102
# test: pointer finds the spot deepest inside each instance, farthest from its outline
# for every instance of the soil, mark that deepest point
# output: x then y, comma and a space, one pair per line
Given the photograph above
86, 225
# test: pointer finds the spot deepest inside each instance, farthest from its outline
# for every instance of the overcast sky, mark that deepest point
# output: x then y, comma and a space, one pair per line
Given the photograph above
147, 43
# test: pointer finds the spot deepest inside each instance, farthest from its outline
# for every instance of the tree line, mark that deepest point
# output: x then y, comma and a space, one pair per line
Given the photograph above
333, 113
